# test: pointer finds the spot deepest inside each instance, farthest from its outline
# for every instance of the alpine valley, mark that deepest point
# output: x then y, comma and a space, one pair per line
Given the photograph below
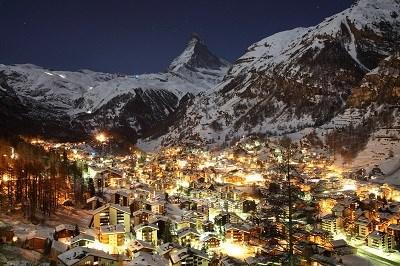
330, 80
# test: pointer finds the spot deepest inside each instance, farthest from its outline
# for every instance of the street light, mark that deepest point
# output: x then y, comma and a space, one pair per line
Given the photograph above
101, 137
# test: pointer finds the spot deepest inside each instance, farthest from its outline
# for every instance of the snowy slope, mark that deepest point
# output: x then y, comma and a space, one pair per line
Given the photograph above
294, 79
85, 96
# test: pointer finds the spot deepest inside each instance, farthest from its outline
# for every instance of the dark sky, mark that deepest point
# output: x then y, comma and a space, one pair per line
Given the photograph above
130, 36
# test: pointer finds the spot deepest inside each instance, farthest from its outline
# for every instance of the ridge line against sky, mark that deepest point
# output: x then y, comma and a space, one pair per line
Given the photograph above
133, 37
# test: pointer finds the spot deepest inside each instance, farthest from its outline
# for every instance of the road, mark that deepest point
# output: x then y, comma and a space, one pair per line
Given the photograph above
376, 260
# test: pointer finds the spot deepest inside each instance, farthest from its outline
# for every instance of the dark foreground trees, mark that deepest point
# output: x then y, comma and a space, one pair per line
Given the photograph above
37, 181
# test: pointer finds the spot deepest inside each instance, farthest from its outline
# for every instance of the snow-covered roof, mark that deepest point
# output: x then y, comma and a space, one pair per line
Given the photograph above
77, 254
142, 226
62, 227
82, 237
112, 229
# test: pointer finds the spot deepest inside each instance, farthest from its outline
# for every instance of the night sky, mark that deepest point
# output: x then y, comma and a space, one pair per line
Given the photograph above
129, 36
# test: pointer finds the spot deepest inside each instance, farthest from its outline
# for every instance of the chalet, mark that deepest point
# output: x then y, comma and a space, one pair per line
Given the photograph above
167, 248
381, 240
329, 223
111, 214
122, 198
85, 256
211, 241
64, 231
147, 232
94, 202
144, 258
208, 226
364, 227
189, 256
139, 245
157, 207
187, 236
236, 233
141, 216
163, 224
37, 240
82, 240
184, 223
394, 230
113, 235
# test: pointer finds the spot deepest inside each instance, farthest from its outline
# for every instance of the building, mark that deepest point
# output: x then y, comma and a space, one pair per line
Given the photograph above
86, 256
156, 207
381, 240
139, 245
188, 236
190, 257
236, 233
64, 231
147, 232
111, 214
364, 227
329, 224
113, 235
394, 230
211, 241
141, 216
82, 240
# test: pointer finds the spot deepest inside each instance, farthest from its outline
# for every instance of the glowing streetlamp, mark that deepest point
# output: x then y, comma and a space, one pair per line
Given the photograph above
101, 137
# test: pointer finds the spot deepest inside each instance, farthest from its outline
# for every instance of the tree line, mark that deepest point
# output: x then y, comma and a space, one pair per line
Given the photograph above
37, 181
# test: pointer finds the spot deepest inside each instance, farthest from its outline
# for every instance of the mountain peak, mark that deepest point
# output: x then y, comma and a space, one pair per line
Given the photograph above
197, 55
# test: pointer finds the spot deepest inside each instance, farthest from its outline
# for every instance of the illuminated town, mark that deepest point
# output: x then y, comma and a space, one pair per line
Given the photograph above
188, 205
200, 133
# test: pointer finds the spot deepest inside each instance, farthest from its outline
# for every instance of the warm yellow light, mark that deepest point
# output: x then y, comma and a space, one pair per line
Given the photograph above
101, 137
5, 177
349, 185
235, 250
254, 178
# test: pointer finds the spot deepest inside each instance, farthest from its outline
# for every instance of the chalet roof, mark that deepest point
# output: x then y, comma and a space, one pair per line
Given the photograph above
94, 198
112, 229
209, 237
167, 247
376, 234
187, 252
83, 237
62, 227
138, 212
77, 254
146, 259
236, 227
139, 244
187, 230
112, 205
142, 226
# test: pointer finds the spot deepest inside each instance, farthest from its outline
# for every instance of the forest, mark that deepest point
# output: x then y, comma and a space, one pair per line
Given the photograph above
35, 181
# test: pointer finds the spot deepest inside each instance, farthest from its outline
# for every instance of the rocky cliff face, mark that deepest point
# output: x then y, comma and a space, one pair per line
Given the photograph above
73, 104
295, 79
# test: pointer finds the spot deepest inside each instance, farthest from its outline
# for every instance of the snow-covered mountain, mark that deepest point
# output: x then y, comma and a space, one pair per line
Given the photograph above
87, 100
294, 79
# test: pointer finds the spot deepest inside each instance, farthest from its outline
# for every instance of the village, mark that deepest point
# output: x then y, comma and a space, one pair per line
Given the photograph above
190, 206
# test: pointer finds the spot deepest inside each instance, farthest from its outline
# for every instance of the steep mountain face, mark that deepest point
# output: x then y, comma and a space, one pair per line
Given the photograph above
80, 102
295, 79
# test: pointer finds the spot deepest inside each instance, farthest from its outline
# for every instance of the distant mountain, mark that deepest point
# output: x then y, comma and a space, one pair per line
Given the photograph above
297, 79
73, 104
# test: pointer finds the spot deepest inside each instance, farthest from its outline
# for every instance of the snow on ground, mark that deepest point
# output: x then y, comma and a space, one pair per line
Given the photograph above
354, 260
23, 228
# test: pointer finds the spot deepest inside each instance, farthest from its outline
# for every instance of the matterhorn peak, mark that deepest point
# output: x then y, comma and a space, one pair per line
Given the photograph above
197, 56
